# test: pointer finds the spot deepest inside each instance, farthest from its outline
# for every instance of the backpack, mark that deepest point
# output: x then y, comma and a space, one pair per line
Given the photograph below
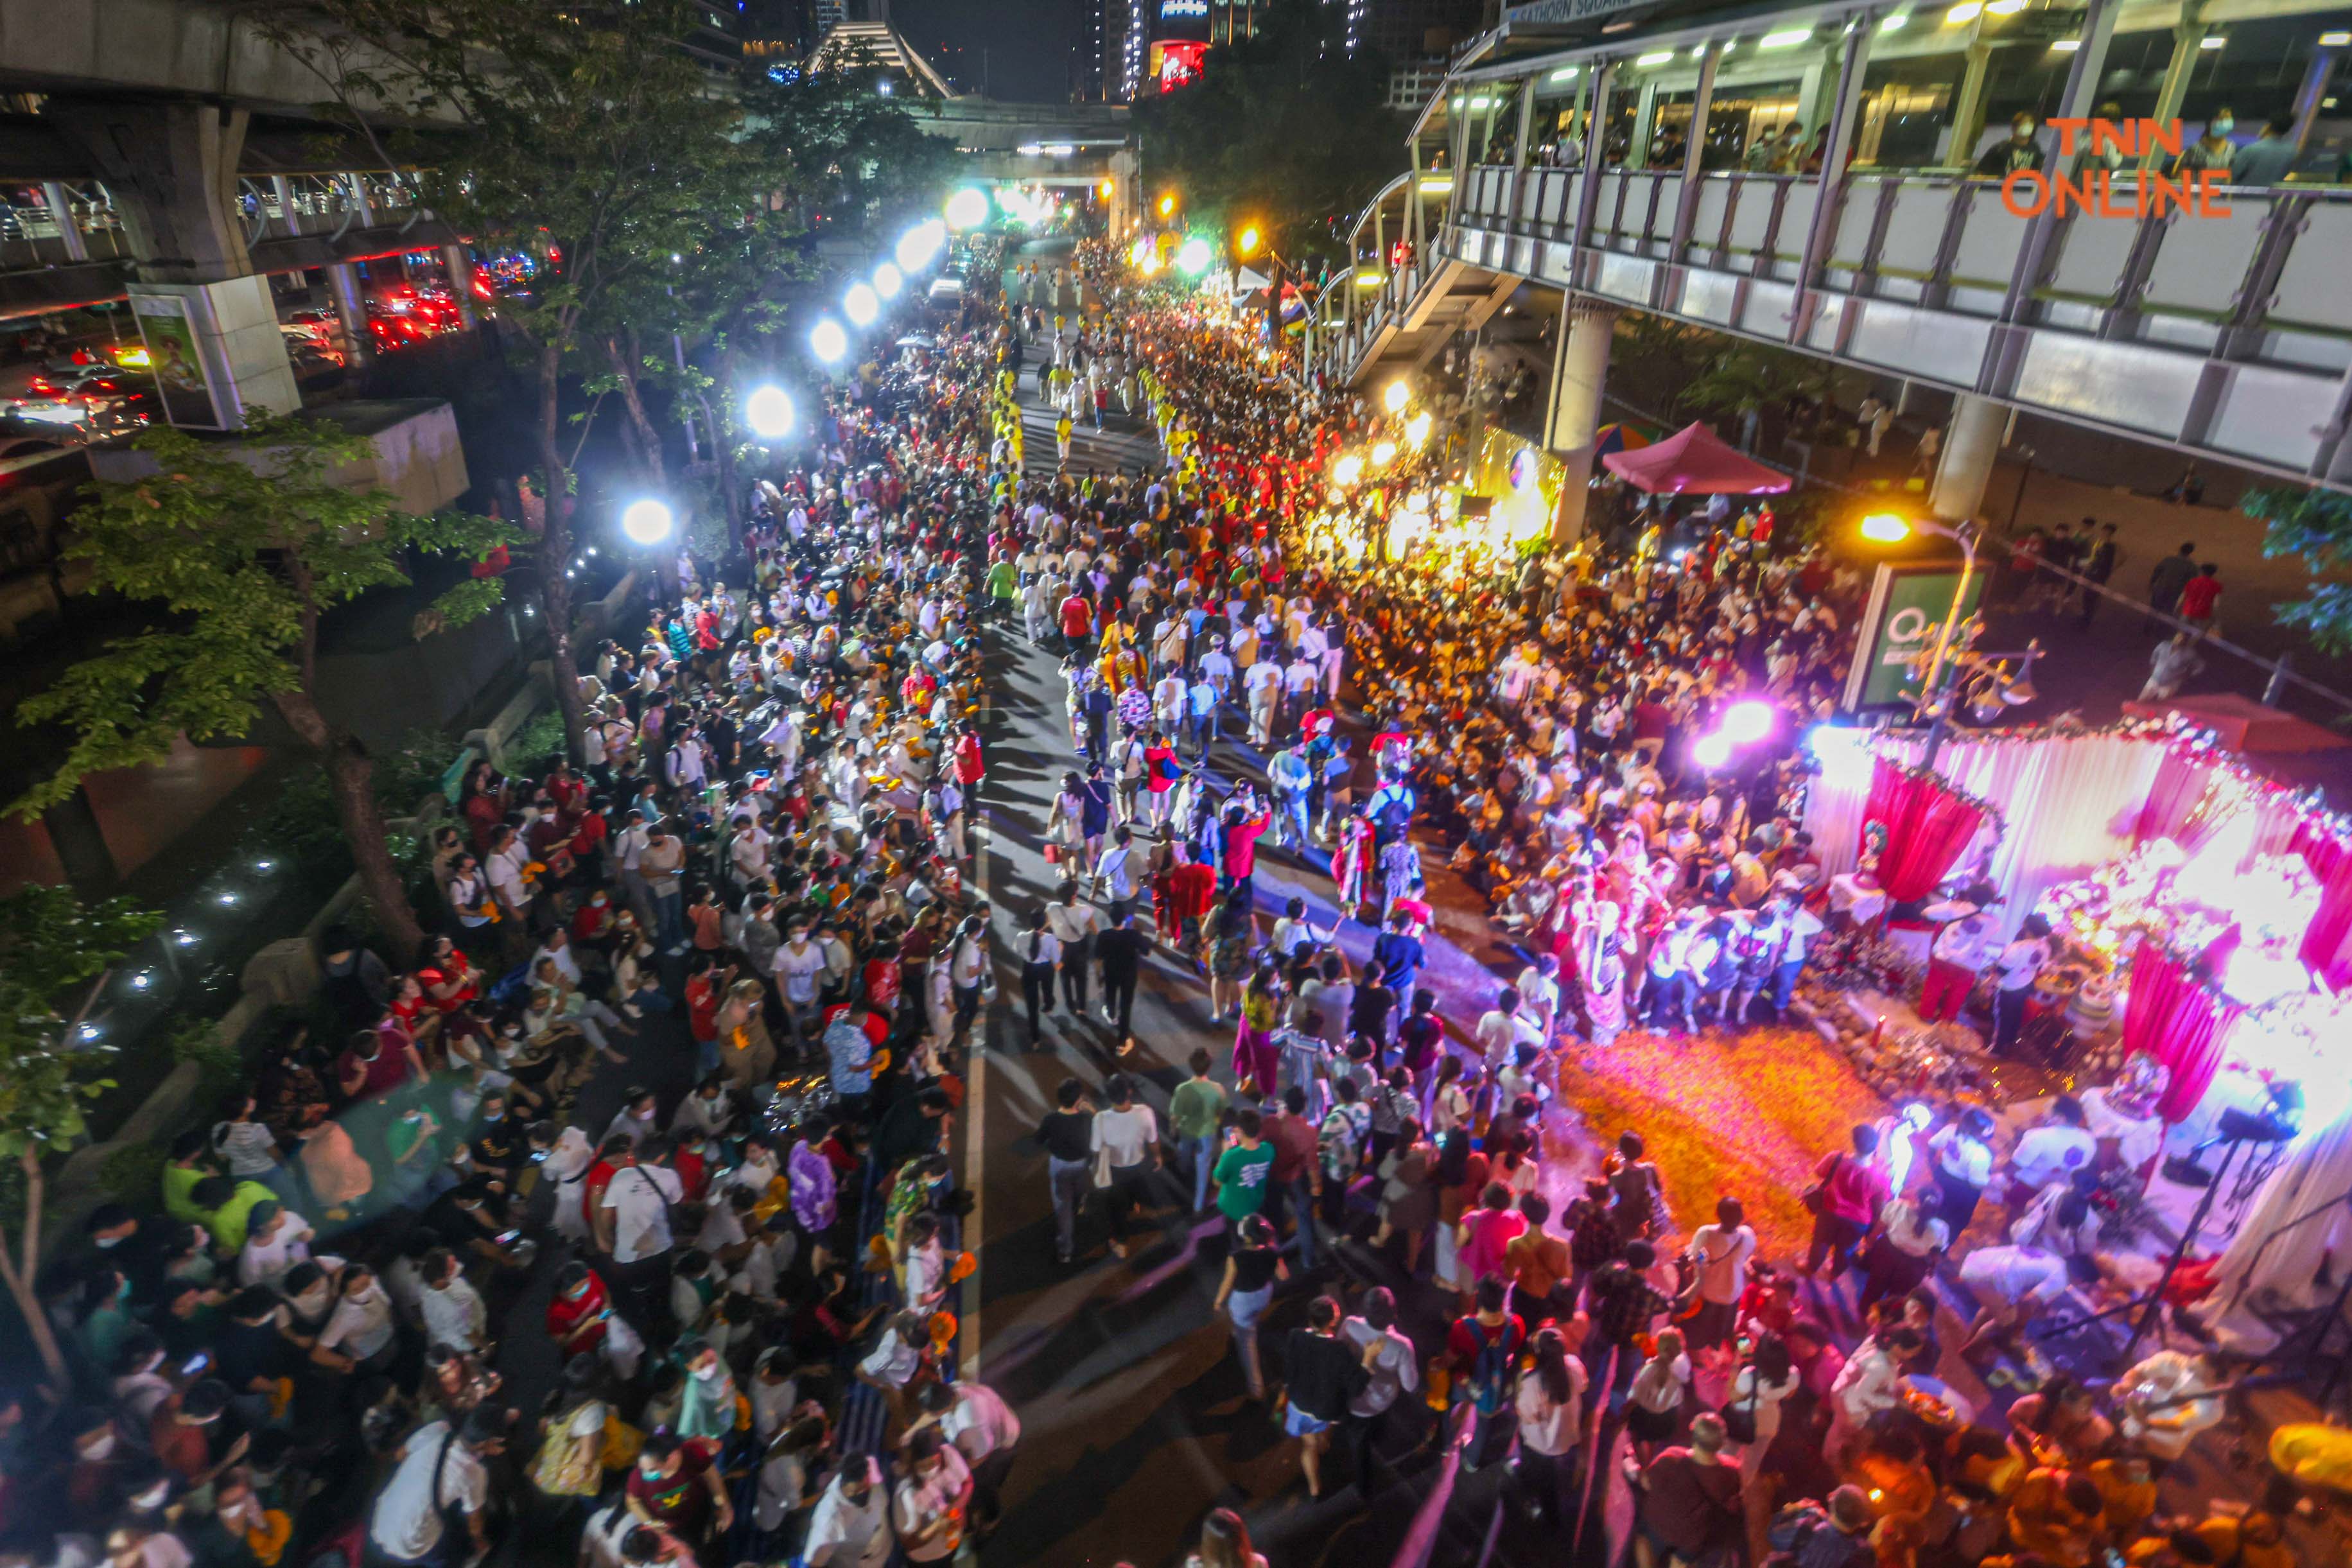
1490, 1371
1392, 811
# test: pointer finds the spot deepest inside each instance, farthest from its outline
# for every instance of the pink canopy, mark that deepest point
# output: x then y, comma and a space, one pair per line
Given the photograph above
1691, 461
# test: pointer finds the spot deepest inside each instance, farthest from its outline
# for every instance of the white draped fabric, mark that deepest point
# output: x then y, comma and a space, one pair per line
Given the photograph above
2317, 1171
2067, 803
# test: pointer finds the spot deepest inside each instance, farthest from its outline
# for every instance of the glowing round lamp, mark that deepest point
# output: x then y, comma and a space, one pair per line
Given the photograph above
1193, 255
646, 522
828, 341
861, 305
887, 280
1747, 723
1383, 454
1711, 751
1416, 431
968, 208
769, 412
1885, 528
1246, 241
1348, 469
1396, 396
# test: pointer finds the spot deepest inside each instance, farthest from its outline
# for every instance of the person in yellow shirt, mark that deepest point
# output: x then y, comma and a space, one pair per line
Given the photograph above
2057, 1515
2255, 1541
1062, 436
2126, 1492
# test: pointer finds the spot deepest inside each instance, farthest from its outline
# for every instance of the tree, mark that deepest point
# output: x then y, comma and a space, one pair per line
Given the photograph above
840, 154
55, 952
589, 139
1284, 129
245, 550
2316, 524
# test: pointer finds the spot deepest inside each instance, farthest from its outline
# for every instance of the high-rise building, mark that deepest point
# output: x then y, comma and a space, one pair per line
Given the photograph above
1113, 50
1406, 30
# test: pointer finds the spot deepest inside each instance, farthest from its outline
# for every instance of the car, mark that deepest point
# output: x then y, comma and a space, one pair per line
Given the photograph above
945, 293
89, 381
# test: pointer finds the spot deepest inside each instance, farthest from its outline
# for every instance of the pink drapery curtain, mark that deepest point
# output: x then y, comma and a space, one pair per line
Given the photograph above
2179, 783
2323, 940
1926, 825
2179, 1023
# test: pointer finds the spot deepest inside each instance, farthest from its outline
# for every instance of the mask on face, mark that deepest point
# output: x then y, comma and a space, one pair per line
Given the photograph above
100, 1450
706, 1374
2222, 125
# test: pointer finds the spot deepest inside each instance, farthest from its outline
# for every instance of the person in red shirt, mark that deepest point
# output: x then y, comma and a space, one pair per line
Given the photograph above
578, 1311
676, 1486
1191, 890
1077, 622
1160, 771
2200, 596
1241, 843
704, 988
970, 765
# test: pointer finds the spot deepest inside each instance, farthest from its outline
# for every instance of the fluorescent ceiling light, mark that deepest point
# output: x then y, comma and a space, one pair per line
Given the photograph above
1788, 40
1966, 11
1895, 23
2334, 40
2066, 46
1570, 71
2212, 41
1656, 60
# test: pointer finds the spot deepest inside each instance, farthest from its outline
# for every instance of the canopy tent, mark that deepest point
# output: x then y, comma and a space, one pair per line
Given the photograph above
1692, 461
2244, 725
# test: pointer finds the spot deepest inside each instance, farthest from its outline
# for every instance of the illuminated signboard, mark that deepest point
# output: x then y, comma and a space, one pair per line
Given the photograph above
1183, 7
1175, 62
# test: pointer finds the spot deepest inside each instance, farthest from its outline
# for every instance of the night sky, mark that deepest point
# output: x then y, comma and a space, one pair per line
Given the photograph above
1028, 43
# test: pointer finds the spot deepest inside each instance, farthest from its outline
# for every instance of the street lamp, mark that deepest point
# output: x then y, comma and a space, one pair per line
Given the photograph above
1397, 396
861, 305
887, 280
1891, 528
769, 412
647, 522
1168, 204
1348, 471
1246, 243
968, 208
1383, 454
828, 341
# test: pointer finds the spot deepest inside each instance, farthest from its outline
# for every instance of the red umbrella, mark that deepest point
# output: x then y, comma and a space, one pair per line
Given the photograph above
1692, 461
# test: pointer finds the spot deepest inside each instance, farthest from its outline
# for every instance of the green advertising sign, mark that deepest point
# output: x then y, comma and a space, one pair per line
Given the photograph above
1906, 608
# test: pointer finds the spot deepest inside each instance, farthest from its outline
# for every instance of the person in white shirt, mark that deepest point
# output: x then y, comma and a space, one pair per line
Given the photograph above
1961, 949
928, 1510
850, 1526
982, 1427
1754, 1397
1549, 1405
1721, 1254
2050, 1152
1872, 1381
276, 1239
453, 1311
2014, 975
361, 1330
633, 1228
1909, 1237
440, 1472
1126, 1143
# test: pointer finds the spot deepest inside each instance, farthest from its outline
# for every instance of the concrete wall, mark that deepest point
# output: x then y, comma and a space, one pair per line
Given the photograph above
417, 455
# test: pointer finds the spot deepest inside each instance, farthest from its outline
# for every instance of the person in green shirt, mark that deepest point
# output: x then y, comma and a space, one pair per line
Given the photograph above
1241, 1171
225, 1207
1195, 1111
1003, 582
187, 1168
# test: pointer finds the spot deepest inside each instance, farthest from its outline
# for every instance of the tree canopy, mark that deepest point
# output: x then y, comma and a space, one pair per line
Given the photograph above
2316, 524
1283, 129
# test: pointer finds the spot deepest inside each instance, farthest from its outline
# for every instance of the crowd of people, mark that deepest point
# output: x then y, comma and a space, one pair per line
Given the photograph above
736, 1267
746, 1273
1531, 722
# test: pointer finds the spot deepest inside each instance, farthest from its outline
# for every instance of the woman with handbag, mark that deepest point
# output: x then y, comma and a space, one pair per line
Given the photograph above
1752, 1408
1845, 1198
569, 1470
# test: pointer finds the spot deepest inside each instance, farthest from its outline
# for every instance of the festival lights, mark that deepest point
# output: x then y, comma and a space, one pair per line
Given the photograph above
968, 208
769, 412
888, 280
1885, 528
1416, 430
1383, 454
828, 341
1348, 469
647, 522
861, 304
1397, 396
1194, 256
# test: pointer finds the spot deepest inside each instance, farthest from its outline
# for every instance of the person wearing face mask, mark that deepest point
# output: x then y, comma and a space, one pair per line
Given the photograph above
676, 1486
96, 1480
187, 1436
360, 1332
2021, 152
850, 1526
2214, 149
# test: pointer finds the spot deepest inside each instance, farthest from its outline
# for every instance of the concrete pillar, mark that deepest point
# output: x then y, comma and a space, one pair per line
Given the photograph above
1809, 92
2174, 88
459, 261
1967, 105
1526, 122
2308, 97
1572, 418
172, 171
1970, 443
1645, 112
60, 204
351, 310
